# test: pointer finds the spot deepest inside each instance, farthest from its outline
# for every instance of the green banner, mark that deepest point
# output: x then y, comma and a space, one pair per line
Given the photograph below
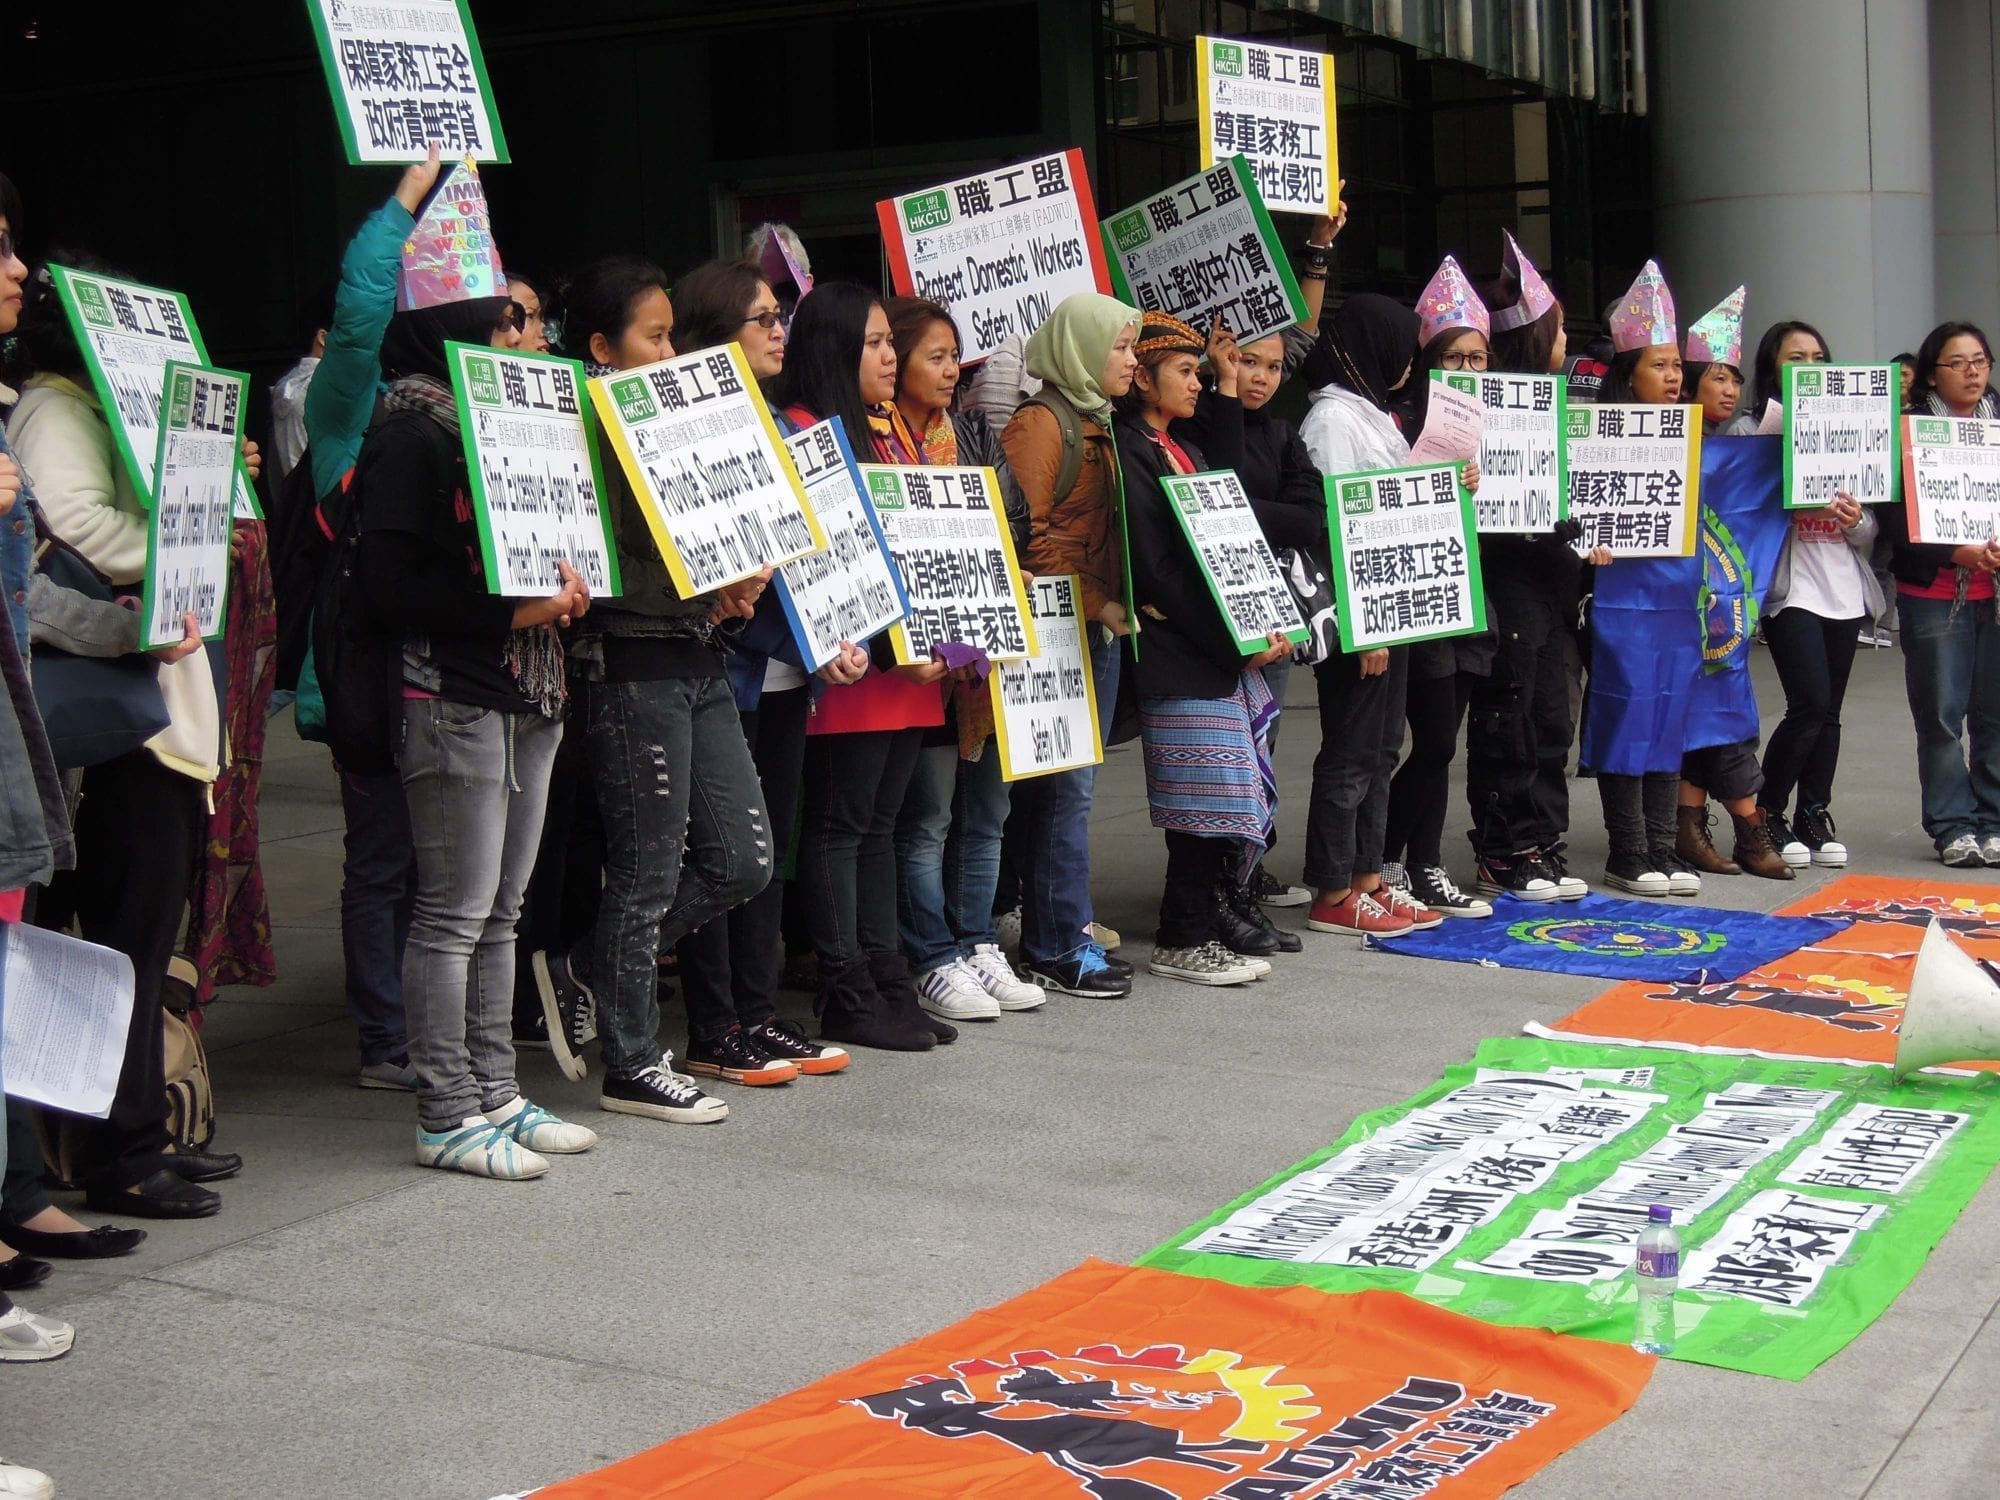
1807, 1196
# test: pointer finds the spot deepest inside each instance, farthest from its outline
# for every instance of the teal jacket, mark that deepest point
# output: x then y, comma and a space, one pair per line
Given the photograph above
340, 402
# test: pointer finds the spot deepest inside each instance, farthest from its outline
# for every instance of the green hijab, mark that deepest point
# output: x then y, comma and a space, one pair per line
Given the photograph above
1071, 348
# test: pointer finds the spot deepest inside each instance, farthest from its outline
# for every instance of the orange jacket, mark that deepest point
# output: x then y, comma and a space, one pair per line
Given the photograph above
1079, 532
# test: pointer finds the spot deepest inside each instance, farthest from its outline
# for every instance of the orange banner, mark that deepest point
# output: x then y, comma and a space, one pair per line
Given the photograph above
1840, 999
1116, 1384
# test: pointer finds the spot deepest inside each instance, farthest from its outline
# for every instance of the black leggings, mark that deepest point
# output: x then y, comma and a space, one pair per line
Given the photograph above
1420, 789
1813, 656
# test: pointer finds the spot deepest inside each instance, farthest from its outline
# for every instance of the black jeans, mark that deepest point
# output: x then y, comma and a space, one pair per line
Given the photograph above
1421, 787
1520, 730
729, 968
22, 1196
560, 904
1728, 773
1360, 731
1195, 866
854, 789
139, 829
1813, 656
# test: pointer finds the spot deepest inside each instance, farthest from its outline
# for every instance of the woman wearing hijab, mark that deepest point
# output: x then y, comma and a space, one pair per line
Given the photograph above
1060, 447
482, 707
1204, 710
1361, 359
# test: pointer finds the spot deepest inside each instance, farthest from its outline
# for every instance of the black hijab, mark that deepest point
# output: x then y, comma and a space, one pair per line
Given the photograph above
414, 344
1366, 347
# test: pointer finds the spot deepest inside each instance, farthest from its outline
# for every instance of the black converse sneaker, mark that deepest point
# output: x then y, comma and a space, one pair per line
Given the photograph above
1522, 876
659, 1093
1433, 886
1815, 831
781, 1038
1793, 848
1271, 891
1568, 887
737, 1057
569, 1011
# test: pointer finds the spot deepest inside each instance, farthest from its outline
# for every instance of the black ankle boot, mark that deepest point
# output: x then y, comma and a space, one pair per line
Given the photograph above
853, 1012
891, 972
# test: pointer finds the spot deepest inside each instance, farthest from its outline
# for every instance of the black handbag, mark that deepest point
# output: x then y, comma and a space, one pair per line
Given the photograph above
96, 708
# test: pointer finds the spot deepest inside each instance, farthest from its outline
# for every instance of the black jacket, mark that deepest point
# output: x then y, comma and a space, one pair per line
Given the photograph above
979, 447
1185, 648
1287, 494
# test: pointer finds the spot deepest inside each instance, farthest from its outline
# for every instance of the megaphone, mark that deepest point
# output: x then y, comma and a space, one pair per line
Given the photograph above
1953, 1010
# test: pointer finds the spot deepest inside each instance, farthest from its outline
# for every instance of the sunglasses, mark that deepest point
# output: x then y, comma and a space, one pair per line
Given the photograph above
513, 316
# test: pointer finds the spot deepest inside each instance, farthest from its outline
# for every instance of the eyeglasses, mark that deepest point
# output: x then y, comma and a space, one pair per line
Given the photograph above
6, 244
1464, 359
513, 316
768, 320
1966, 366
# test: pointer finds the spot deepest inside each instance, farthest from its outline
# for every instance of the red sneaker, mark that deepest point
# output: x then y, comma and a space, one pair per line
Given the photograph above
1403, 904
1360, 914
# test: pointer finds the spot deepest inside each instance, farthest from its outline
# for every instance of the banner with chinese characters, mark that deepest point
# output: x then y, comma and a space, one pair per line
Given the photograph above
706, 465
998, 249
1951, 479
538, 494
1273, 106
1838, 998
850, 590
1635, 478
1237, 561
1523, 473
128, 333
1806, 1195
1203, 251
1108, 1383
1045, 705
947, 534
1842, 432
1405, 560
406, 76
188, 541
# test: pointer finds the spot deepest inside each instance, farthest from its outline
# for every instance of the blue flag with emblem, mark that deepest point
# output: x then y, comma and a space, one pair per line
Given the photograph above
1670, 660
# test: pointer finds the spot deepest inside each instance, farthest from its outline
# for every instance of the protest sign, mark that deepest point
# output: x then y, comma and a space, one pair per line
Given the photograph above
407, 75
704, 461
1454, 422
1841, 430
1045, 705
1634, 478
1405, 567
948, 535
1204, 250
998, 249
1807, 1195
1521, 453
1274, 106
187, 542
1951, 479
850, 590
537, 490
128, 333
1242, 574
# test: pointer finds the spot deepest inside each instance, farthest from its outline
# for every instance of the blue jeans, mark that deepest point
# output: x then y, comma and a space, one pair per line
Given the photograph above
1055, 896
1951, 670
378, 884
476, 781
948, 854
674, 783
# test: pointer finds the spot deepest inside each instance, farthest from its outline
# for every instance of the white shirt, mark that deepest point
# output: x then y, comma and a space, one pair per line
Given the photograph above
1348, 434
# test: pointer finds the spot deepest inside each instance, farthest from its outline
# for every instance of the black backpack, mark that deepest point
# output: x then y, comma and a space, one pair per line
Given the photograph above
300, 541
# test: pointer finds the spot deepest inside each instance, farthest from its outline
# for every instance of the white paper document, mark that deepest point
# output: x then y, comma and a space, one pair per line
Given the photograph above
66, 1006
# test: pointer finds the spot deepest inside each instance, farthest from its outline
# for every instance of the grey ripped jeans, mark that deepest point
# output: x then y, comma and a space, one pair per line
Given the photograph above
685, 840
476, 780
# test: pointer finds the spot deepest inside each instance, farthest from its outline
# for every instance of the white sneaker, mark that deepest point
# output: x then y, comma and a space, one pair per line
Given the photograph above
1963, 852
481, 1148
1989, 850
1008, 926
1008, 989
955, 992
538, 1130
19, 1482
1833, 853
26, 1338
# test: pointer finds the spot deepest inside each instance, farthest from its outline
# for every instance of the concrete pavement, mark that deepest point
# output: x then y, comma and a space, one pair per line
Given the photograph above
353, 1326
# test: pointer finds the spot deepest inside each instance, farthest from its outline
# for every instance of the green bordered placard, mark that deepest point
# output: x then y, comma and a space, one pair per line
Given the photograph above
200, 407
421, 67
1875, 460
1506, 456
1254, 598
1236, 257
1409, 538
501, 393
128, 333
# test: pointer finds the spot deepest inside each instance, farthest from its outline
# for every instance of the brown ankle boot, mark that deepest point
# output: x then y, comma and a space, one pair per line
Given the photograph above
1756, 851
1693, 844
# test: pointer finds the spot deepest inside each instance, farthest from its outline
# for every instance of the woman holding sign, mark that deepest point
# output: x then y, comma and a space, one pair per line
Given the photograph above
1204, 710
1823, 593
1951, 638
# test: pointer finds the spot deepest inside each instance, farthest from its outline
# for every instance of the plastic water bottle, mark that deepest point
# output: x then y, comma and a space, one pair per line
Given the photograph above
1657, 1272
